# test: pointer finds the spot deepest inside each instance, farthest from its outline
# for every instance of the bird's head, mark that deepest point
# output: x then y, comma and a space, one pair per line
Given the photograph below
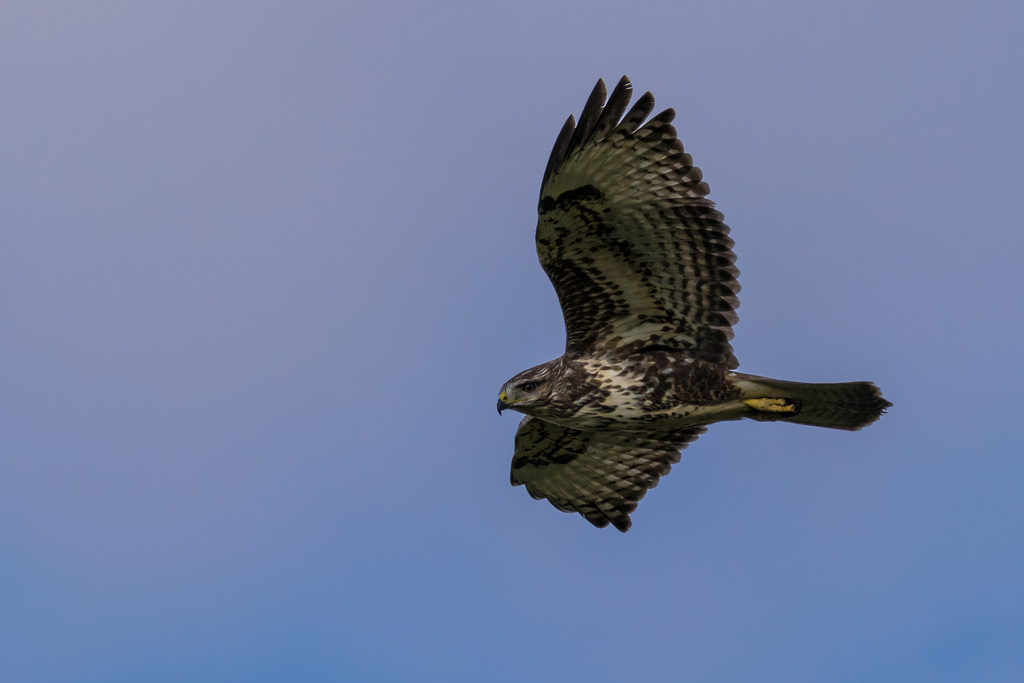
528, 390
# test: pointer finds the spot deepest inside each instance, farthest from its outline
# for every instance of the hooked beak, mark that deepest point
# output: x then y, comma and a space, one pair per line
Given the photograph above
502, 405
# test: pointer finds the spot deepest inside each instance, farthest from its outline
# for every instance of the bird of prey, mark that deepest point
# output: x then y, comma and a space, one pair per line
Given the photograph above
646, 278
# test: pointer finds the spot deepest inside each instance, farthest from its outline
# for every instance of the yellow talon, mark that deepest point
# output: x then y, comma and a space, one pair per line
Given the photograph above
771, 405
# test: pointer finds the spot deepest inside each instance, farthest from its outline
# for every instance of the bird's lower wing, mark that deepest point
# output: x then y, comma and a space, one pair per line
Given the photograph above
601, 475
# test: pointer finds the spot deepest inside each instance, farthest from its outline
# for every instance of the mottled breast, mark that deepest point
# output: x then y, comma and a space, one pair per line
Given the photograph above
657, 389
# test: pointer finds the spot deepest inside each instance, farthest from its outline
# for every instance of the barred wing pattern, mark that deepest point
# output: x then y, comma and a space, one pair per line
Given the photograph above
638, 255
601, 475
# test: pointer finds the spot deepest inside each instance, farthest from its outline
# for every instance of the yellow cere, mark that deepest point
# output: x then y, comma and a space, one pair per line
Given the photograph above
503, 396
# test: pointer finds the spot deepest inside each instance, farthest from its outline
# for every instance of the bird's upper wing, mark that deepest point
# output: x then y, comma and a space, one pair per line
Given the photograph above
601, 475
638, 255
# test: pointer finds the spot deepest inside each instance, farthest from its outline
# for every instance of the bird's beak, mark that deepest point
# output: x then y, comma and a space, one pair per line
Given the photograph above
501, 402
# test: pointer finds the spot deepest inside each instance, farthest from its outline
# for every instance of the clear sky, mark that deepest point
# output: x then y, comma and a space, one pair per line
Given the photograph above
264, 266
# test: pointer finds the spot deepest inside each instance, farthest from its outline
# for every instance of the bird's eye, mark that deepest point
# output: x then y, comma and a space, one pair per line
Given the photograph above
528, 387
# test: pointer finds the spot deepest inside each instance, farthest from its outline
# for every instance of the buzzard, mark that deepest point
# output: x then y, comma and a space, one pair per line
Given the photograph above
646, 278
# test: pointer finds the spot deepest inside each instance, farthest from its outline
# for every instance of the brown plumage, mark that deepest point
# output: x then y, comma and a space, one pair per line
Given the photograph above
645, 274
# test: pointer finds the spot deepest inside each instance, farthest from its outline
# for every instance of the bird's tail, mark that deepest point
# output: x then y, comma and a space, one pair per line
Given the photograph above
850, 405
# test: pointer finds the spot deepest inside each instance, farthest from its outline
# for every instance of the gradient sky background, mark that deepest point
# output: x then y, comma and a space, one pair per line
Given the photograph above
264, 266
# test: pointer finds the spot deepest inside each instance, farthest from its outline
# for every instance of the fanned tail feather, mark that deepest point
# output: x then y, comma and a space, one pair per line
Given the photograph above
847, 405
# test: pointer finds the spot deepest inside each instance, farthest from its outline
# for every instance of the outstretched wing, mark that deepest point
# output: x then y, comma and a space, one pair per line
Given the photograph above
638, 255
601, 475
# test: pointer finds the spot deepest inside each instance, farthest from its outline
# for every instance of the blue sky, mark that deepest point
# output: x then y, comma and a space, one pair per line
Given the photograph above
264, 266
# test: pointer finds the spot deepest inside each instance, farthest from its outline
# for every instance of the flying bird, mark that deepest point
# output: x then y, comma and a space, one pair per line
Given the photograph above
645, 275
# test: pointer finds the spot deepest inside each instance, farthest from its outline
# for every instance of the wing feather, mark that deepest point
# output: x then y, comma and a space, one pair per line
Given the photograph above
601, 475
588, 117
613, 110
638, 255
561, 148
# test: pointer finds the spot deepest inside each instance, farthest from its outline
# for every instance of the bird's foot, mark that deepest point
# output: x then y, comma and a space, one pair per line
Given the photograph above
772, 408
